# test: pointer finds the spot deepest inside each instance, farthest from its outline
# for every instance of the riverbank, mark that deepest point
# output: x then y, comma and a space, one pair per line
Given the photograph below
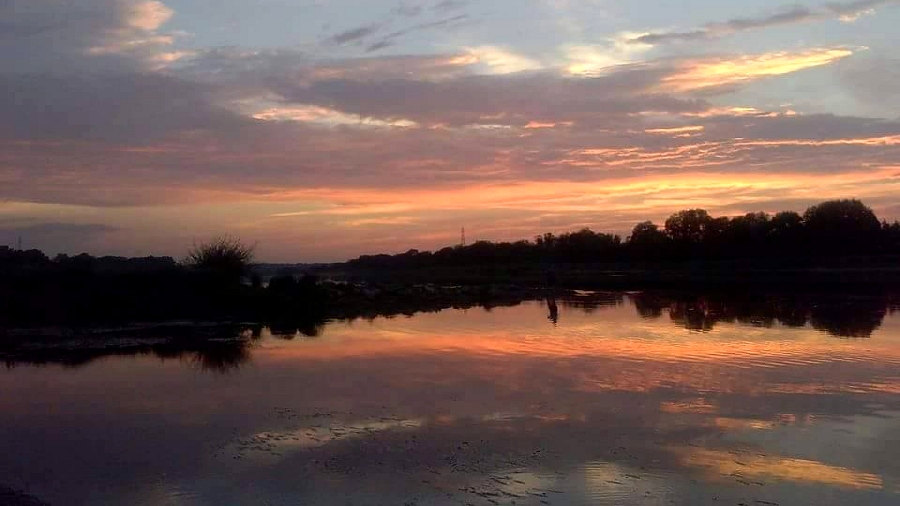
859, 273
10, 497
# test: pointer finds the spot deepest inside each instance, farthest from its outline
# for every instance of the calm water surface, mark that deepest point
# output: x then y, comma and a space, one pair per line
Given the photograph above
624, 399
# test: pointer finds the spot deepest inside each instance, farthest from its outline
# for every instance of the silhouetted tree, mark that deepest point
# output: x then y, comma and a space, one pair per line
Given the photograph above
786, 232
842, 226
645, 237
688, 226
786, 222
225, 258
752, 227
891, 236
718, 235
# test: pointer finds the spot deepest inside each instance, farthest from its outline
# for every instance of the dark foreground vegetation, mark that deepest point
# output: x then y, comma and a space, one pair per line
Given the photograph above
210, 284
214, 284
835, 244
839, 241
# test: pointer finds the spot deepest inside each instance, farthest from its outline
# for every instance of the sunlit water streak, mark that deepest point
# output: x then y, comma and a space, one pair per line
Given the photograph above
602, 406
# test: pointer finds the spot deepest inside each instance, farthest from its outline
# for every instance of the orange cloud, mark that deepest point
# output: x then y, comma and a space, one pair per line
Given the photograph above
325, 116
539, 124
700, 74
636, 193
888, 140
675, 130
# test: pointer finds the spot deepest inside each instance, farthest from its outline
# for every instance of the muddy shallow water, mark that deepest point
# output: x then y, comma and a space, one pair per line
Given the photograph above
614, 399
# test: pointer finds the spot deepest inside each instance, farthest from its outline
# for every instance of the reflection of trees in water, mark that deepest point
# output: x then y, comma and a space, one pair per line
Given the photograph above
849, 318
221, 357
840, 316
587, 302
894, 304
227, 351
694, 316
290, 330
592, 301
648, 305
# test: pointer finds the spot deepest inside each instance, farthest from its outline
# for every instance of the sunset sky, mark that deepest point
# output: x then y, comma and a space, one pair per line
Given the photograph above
324, 129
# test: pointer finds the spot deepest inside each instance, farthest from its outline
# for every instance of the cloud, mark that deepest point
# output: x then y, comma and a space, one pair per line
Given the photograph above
509, 99
354, 34
846, 12
109, 107
490, 87
329, 117
676, 130
277, 165
243, 140
226, 66
498, 60
708, 73
403, 11
872, 79
388, 40
277, 120
89, 35
588, 61
149, 15
851, 11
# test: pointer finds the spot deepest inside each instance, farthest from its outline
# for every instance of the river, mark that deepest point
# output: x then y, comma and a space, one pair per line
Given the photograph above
606, 399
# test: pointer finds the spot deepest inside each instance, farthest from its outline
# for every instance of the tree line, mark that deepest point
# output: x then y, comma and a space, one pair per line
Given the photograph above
833, 228
213, 282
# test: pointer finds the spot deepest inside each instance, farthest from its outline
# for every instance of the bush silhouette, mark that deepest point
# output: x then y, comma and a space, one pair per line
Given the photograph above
225, 258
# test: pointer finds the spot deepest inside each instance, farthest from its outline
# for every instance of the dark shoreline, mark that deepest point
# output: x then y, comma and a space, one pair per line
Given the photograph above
883, 274
11, 497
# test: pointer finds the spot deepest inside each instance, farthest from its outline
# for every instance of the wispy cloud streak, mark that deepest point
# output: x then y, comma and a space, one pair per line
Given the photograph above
846, 12
353, 34
389, 39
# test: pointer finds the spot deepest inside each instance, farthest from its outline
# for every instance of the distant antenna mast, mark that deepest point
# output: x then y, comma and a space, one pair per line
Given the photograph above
462, 237
20, 243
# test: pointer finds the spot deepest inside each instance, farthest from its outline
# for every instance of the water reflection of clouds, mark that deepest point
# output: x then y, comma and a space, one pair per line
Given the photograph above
463, 402
746, 465
779, 378
509, 459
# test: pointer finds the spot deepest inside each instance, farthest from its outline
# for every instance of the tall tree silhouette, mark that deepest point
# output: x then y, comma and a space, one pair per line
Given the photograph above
842, 226
688, 226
